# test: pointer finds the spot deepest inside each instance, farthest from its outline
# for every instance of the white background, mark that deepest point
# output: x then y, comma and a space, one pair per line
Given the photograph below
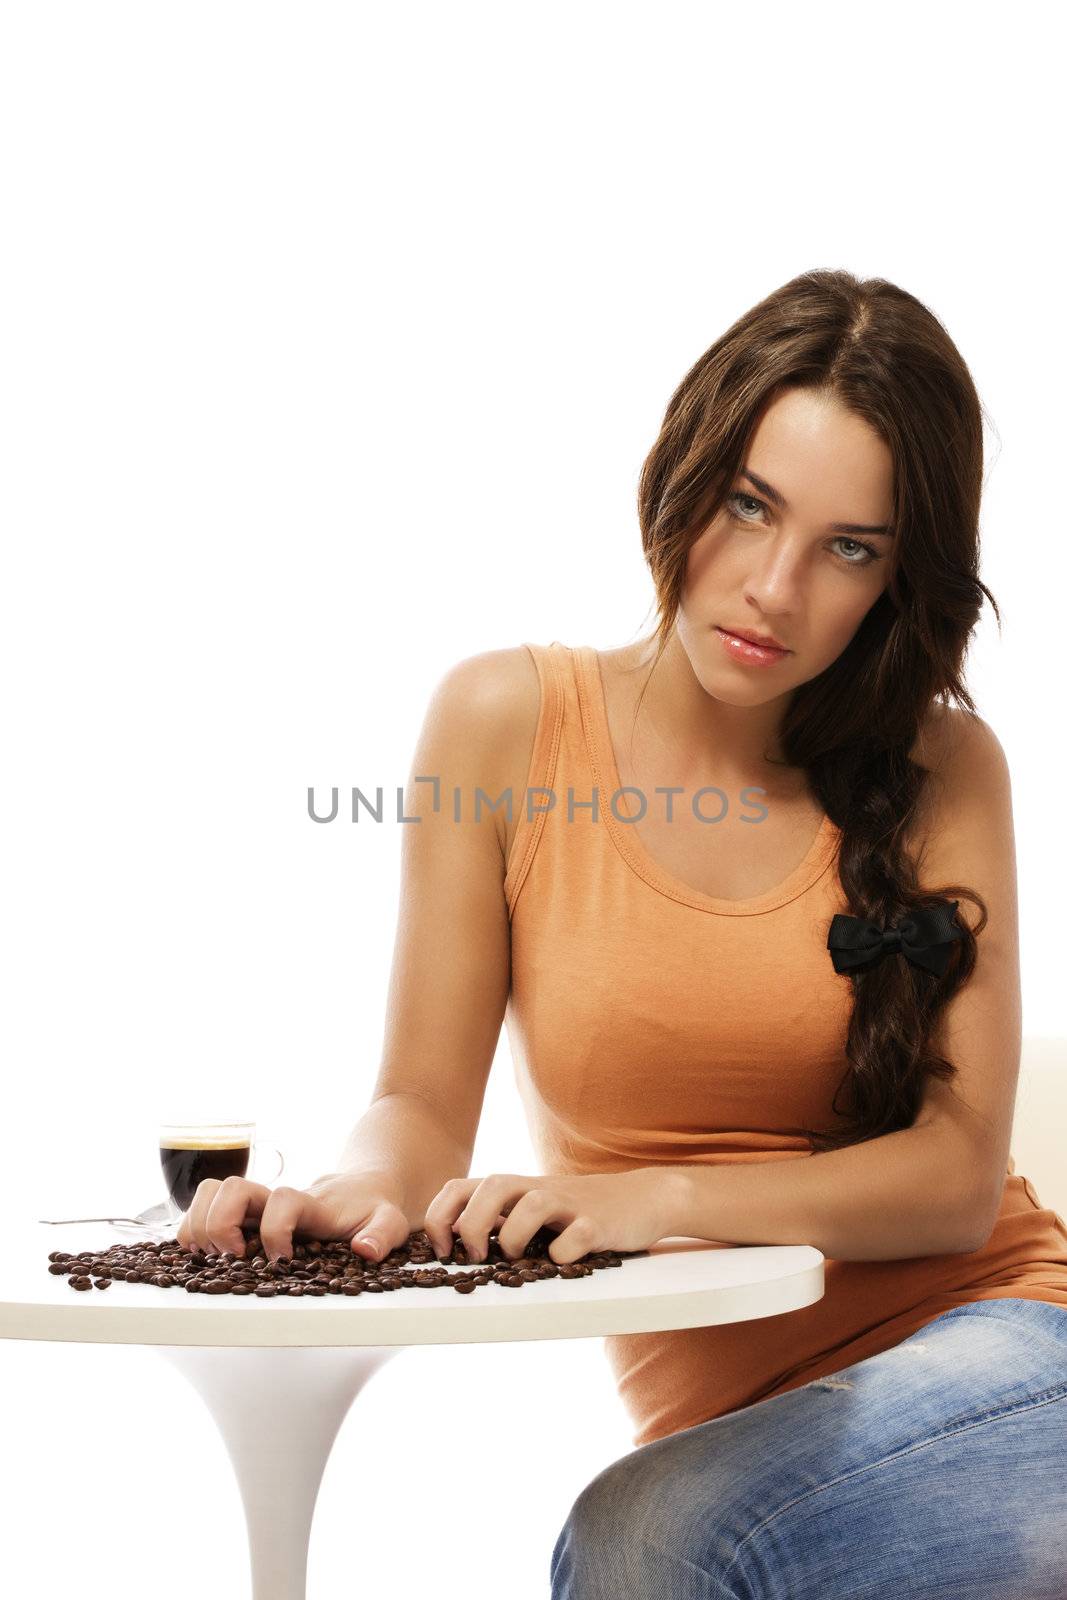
333, 339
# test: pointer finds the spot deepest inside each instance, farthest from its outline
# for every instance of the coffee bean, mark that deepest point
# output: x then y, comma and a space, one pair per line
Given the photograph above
319, 1267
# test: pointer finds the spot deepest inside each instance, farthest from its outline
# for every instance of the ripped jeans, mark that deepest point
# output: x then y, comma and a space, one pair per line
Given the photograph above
937, 1468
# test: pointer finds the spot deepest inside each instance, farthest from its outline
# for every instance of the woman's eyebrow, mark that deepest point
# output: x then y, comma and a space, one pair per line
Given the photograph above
836, 527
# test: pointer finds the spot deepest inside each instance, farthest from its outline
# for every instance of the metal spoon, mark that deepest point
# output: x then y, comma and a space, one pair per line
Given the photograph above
166, 1211
63, 1222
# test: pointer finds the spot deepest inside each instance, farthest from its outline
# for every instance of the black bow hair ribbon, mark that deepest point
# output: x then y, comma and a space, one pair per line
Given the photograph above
924, 936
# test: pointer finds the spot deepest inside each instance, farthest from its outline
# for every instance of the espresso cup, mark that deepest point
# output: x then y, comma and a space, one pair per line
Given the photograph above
189, 1152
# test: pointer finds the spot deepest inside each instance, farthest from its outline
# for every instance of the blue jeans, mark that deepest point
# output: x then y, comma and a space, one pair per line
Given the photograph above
935, 1469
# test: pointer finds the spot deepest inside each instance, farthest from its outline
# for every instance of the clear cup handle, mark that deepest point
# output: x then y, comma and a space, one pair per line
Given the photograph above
258, 1152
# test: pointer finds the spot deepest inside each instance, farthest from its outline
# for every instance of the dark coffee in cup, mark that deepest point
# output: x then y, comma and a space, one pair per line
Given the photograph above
187, 1163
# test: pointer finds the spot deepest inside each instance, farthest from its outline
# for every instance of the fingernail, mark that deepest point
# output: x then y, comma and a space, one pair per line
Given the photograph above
372, 1244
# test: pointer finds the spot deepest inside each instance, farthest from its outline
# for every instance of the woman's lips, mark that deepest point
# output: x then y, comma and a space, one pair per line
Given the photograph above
757, 655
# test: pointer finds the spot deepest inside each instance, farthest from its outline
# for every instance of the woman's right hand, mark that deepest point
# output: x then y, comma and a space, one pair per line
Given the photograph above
358, 1206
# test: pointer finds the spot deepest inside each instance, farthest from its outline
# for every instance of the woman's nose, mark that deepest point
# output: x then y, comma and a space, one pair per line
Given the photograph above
775, 580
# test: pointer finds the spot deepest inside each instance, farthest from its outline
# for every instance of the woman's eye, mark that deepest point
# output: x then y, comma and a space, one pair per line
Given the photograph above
866, 551
736, 498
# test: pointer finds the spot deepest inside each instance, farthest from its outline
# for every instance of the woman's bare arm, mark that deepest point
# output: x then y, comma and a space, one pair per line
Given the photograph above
451, 968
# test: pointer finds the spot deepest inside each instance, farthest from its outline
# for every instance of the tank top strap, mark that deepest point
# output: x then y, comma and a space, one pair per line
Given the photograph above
555, 671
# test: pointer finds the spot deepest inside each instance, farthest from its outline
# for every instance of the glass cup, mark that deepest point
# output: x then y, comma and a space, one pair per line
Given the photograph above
189, 1152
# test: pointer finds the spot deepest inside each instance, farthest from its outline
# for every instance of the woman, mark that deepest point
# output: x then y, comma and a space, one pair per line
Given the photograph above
754, 925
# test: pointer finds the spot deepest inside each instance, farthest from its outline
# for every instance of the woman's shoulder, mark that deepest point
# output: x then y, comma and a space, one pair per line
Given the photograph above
491, 702
964, 811
498, 691
956, 745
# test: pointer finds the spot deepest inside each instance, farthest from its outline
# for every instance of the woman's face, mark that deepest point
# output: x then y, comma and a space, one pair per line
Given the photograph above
772, 562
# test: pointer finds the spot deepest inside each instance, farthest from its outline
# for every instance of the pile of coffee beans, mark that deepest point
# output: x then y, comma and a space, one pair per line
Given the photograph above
318, 1267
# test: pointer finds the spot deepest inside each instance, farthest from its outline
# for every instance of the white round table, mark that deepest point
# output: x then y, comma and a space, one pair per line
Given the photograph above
279, 1375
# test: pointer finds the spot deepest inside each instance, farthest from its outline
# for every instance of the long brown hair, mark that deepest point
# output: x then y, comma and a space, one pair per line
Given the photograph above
882, 354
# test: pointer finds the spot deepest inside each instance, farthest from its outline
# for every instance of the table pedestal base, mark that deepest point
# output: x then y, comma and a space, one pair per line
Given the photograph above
279, 1410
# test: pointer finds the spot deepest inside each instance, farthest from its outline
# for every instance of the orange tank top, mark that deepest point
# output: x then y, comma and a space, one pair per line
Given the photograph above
650, 1022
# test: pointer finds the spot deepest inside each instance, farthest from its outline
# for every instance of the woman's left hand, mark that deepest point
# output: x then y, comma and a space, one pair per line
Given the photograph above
597, 1211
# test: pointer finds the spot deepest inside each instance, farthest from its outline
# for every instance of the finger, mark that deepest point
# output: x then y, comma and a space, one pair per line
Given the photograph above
285, 1211
195, 1221
484, 1206
443, 1210
381, 1231
536, 1207
233, 1201
576, 1240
